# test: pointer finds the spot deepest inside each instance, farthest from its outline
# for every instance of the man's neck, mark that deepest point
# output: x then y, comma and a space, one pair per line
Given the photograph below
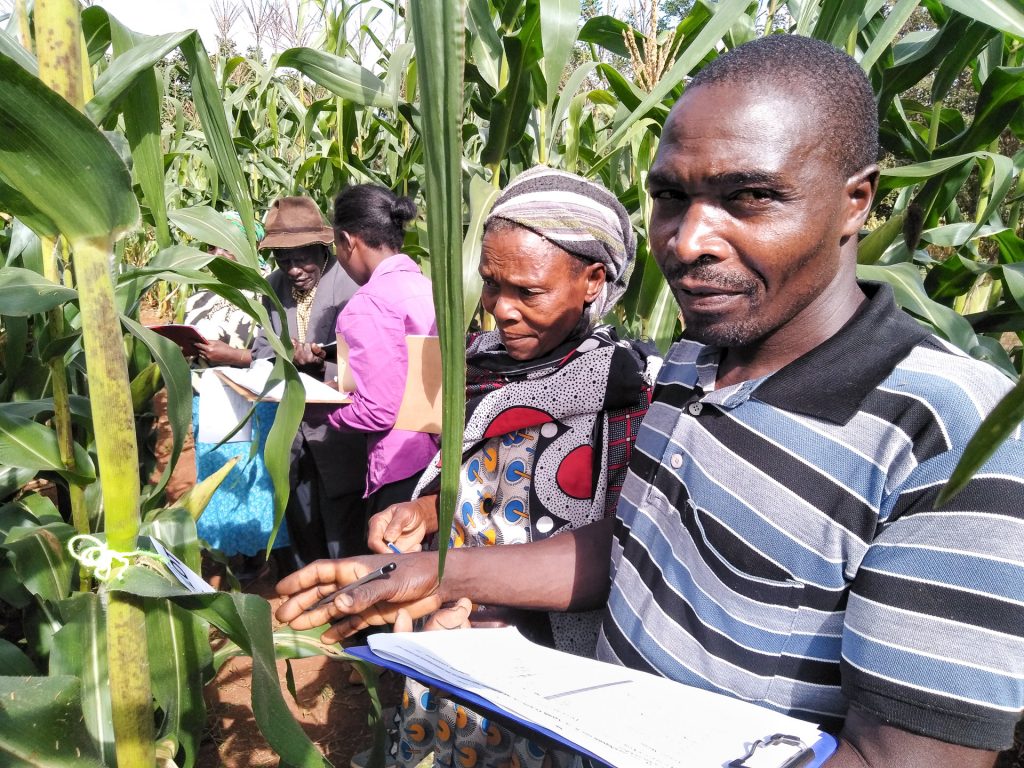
819, 321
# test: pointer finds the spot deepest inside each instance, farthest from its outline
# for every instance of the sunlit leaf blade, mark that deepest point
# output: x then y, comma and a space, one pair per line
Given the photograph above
210, 107
206, 225
558, 19
10, 47
57, 159
1005, 15
29, 445
24, 292
439, 35
126, 68
39, 714
176, 377
40, 559
994, 430
246, 620
80, 649
341, 76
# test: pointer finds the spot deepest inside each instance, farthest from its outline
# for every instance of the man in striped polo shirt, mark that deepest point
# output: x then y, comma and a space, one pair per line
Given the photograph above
776, 538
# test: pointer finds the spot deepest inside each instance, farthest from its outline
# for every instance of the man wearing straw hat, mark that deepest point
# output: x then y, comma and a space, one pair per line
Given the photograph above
324, 512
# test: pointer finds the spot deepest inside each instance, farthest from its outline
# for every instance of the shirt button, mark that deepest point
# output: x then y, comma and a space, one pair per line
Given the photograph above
695, 408
676, 461
545, 524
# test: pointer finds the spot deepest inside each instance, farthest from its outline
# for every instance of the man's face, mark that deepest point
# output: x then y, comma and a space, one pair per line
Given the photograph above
749, 213
302, 265
534, 290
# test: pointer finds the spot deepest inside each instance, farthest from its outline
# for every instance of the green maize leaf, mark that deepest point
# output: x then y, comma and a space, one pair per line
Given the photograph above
176, 377
145, 386
908, 288
179, 646
342, 77
439, 36
26, 247
179, 653
565, 97
894, 21
15, 514
246, 620
607, 32
998, 102
26, 444
481, 197
1011, 247
626, 92
915, 59
1003, 319
80, 649
955, 235
13, 662
1013, 280
288, 644
19, 206
208, 226
487, 49
510, 108
41, 560
33, 409
24, 292
1004, 15
959, 59
57, 159
558, 20
12, 48
142, 109
41, 508
876, 242
726, 13
210, 107
199, 495
837, 20
41, 724
953, 277
992, 433
139, 54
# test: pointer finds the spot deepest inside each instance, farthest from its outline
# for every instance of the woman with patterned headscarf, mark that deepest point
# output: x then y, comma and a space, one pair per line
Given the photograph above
553, 401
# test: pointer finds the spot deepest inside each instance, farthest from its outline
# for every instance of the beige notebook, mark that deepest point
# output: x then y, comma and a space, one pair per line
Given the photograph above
421, 403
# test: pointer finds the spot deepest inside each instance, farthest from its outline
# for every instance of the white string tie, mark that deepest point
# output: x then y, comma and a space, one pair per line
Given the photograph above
103, 561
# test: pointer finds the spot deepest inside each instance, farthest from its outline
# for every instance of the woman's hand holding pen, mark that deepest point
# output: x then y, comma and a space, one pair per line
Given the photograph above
403, 527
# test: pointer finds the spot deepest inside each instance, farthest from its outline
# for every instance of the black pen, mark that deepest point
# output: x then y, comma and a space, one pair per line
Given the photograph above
380, 573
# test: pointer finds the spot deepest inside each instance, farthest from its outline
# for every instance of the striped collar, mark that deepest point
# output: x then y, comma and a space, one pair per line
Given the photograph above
832, 380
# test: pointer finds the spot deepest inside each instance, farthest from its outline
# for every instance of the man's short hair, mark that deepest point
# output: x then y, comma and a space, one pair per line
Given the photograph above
818, 72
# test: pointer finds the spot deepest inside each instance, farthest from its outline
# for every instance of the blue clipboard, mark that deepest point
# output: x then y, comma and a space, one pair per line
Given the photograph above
822, 749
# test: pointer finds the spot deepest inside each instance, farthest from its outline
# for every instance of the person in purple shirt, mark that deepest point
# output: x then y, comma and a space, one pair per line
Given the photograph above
394, 301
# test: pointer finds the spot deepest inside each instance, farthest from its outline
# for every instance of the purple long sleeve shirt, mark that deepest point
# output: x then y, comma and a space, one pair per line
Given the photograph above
396, 302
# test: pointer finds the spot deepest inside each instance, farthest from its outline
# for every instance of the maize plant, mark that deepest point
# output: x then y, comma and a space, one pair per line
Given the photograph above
118, 150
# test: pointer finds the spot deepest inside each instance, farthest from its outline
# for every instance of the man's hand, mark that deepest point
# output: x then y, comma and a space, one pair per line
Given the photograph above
217, 352
411, 586
308, 355
403, 525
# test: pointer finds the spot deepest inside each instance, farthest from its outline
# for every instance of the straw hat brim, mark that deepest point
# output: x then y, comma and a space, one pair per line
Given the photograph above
324, 235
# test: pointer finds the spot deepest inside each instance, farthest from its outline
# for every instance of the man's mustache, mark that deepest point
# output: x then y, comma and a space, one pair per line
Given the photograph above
712, 277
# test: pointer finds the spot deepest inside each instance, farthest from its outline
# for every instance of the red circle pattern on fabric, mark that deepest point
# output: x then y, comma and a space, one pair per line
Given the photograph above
575, 473
516, 418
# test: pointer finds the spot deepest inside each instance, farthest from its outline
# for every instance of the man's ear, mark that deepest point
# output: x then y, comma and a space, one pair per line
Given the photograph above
860, 192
